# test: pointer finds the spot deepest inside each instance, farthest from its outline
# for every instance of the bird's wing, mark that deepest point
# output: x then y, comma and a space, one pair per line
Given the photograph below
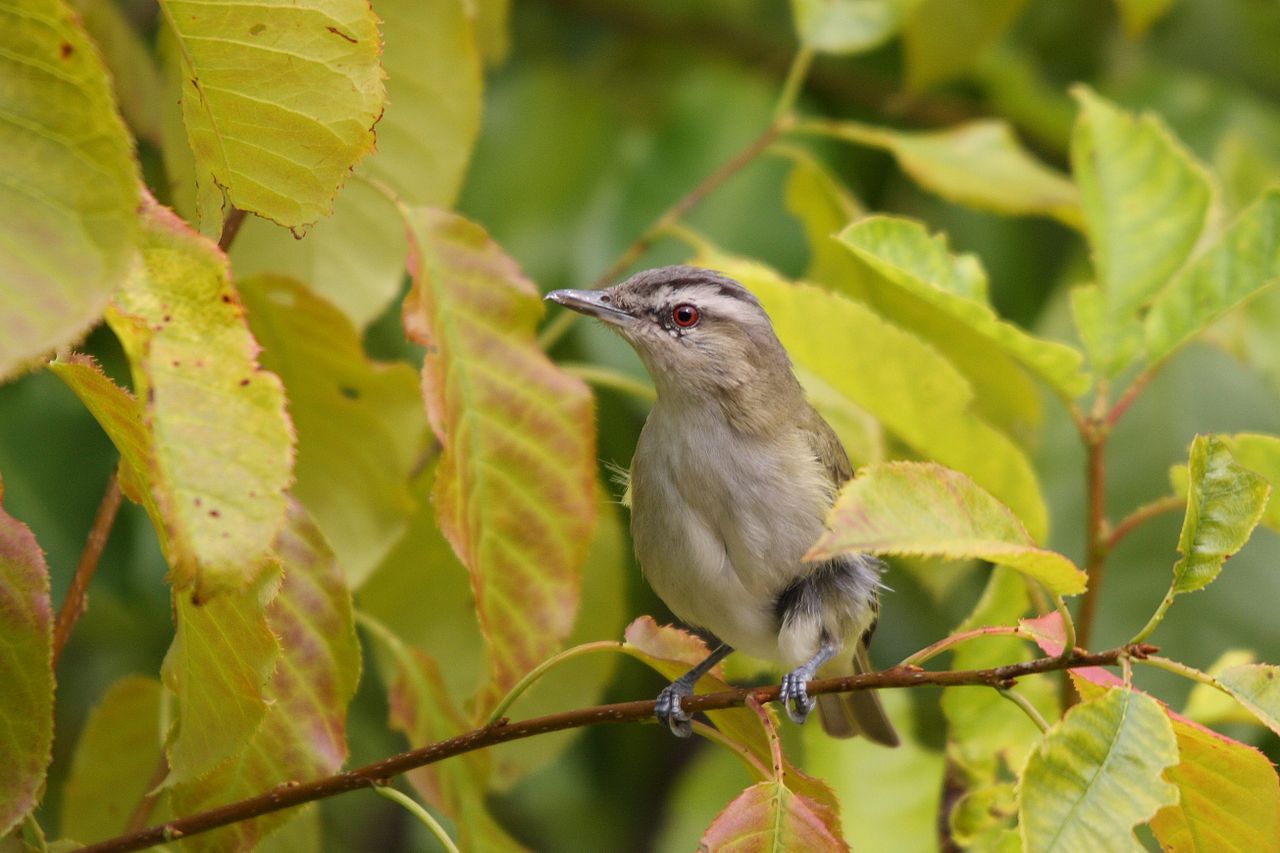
827, 448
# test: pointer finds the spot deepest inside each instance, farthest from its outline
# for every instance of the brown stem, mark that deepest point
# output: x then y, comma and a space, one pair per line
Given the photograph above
1095, 531
293, 794
1142, 515
230, 228
1130, 394
76, 601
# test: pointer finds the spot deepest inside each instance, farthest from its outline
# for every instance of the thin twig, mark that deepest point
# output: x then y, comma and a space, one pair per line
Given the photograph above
1130, 394
928, 653
607, 377
1142, 515
294, 794
1179, 668
230, 228
77, 595
1095, 530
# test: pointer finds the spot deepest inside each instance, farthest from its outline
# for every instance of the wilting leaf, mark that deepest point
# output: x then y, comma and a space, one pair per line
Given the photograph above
115, 761
68, 202
221, 443
303, 734
1257, 687
1097, 774
770, 816
925, 509
846, 26
943, 38
1139, 15
1244, 261
979, 164
279, 99
360, 424
26, 670
515, 487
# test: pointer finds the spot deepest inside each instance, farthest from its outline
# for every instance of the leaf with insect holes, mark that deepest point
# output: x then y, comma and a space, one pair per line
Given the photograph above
221, 444
920, 508
515, 486
26, 670
69, 197
770, 816
279, 99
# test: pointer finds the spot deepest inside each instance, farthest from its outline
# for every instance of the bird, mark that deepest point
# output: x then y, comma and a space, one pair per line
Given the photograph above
730, 484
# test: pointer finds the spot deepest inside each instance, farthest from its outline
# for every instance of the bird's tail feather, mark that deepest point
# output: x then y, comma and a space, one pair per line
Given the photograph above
844, 715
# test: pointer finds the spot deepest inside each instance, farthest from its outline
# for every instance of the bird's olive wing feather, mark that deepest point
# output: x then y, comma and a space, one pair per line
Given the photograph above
827, 448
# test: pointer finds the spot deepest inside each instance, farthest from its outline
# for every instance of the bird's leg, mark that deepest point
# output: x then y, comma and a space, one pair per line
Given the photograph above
794, 696
668, 710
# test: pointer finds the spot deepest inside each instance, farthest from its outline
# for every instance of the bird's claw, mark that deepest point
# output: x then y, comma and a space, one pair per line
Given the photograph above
795, 698
669, 711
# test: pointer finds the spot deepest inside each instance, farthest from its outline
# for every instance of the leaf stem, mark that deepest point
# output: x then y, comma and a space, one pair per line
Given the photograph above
1182, 669
1027, 708
930, 652
1156, 618
606, 377
415, 808
714, 735
541, 669
73, 606
230, 228
796, 76
1141, 515
1096, 534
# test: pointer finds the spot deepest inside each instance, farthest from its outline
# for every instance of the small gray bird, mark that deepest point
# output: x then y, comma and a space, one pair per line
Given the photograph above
731, 481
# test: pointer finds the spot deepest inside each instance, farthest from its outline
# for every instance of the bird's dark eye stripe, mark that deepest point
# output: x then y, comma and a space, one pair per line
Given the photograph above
734, 293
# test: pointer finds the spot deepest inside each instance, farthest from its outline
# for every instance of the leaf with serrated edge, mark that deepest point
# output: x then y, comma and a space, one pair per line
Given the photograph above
26, 670
942, 39
69, 197
1097, 774
279, 99
906, 255
846, 26
360, 424
1224, 504
515, 487
303, 735
1257, 687
115, 760
221, 442
896, 377
921, 508
1260, 454
770, 816
1244, 261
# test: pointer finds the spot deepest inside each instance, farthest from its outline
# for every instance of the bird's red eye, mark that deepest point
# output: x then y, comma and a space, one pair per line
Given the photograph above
685, 316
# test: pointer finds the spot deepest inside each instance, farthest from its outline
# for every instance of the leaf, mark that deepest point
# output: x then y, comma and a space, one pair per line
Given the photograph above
769, 816
1243, 262
221, 443
360, 424
1256, 686
303, 735
1210, 706
492, 25
1224, 504
921, 508
1139, 15
515, 487
1145, 200
69, 195
1097, 774
1260, 454
903, 382
823, 206
943, 38
279, 99
26, 671
979, 164
846, 26
138, 87
115, 760
904, 254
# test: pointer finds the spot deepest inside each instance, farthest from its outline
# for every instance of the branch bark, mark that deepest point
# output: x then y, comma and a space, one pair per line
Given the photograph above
292, 794
73, 606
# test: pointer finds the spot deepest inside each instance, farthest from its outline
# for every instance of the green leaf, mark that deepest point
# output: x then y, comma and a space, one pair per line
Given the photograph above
221, 443
846, 26
823, 206
138, 87
26, 670
905, 255
1097, 774
303, 734
1257, 687
903, 382
943, 38
1209, 705
979, 164
1145, 200
360, 424
980, 819
69, 197
770, 816
1244, 261
1224, 504
1139, 15
921, 508
493, 29
279, 100
515, 488
115, 760
1260, 454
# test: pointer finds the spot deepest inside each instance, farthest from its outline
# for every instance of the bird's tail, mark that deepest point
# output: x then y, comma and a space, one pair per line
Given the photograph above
844, 715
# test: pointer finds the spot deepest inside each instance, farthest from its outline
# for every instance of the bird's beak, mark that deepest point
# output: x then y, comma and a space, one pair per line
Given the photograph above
593, 303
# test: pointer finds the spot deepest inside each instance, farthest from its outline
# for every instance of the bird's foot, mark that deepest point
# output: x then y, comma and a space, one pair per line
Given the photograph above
669, 711
795, 697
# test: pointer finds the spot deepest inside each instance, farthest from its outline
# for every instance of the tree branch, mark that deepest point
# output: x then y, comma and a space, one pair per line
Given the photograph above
75, 602
292, 794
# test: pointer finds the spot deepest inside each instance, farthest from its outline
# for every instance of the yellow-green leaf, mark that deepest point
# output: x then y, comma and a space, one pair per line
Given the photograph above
922, 508
823, 207
1244, 261
1260, 454
138, 87
769, 816
303, 734
26, 670
846, 26
360, 424
115, 761
515, 487
1139, 15
69, 195
1210, 706
1111, 340
221, 442
1097, 774
943, 38
1257, 687
492, 23
279, 99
